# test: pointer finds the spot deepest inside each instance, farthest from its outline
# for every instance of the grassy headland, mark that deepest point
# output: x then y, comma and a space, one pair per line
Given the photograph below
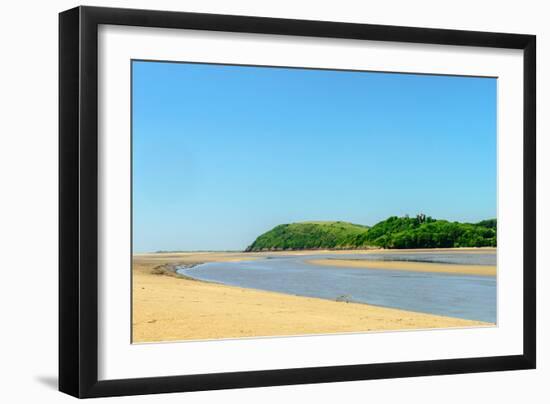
395, 232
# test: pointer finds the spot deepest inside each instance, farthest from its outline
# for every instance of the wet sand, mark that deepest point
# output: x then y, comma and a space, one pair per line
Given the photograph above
168, 307
484, 270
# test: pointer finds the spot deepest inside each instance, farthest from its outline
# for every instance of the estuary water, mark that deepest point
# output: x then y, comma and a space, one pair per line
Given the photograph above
465, 296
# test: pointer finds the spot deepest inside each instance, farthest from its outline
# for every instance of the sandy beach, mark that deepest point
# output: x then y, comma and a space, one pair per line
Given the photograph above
484, 270
167, 307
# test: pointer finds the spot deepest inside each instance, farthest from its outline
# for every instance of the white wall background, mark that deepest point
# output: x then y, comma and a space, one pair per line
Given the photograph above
28, 201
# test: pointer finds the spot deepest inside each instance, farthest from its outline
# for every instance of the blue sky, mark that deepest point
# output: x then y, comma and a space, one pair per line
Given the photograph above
222, 154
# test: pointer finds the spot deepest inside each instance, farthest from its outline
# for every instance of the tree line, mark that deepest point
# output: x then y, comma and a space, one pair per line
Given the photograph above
420, 231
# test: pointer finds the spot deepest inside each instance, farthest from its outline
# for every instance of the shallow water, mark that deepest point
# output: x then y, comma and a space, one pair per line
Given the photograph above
464, 296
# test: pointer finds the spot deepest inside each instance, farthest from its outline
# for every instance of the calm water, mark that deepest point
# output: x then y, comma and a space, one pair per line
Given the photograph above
464, 296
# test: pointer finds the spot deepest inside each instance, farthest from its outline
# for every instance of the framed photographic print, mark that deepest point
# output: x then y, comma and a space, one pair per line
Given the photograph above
250, 201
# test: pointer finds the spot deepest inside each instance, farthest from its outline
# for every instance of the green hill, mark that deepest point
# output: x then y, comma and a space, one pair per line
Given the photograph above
308, 235
395, 232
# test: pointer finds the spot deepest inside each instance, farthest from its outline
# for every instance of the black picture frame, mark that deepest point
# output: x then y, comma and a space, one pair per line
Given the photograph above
78, 201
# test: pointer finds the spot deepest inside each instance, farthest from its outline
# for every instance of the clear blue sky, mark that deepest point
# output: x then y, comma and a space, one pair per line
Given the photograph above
222, 154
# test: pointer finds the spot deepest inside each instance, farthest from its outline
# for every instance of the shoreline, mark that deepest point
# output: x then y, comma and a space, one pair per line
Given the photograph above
248, 254
413, 266
168, 306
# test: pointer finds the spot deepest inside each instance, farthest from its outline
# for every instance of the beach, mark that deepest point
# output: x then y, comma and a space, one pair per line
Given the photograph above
169, 307
484, 270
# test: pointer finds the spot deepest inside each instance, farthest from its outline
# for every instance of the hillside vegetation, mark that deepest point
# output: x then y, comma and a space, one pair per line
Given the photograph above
395, 232
308, 235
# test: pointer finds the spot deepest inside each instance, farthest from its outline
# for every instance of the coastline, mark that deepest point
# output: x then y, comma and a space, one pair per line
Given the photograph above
169, 307
480, 270
465, 250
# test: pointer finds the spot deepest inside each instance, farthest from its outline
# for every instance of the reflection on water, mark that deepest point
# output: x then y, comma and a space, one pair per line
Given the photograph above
465, 296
